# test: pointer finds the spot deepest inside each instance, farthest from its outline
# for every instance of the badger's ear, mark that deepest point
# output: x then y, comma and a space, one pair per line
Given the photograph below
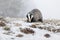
27, 16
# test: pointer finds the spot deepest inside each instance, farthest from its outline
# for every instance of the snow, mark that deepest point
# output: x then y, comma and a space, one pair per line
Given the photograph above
38, 35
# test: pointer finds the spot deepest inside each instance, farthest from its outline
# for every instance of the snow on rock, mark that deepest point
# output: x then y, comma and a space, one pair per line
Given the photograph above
15, 25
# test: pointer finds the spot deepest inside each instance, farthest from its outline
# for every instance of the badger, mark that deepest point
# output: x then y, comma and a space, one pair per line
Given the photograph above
34, 16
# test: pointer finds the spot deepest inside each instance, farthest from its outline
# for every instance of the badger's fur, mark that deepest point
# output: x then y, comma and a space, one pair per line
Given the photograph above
34, 16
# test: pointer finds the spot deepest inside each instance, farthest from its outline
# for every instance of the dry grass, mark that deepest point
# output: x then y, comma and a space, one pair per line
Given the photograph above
40, 27
17, 24
6, 28
52, 21
19, 35
58, 30
27, 31
2, 23
33, 26
7, 33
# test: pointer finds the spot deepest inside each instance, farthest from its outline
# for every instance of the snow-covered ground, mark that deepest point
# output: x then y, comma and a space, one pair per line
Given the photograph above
16, 24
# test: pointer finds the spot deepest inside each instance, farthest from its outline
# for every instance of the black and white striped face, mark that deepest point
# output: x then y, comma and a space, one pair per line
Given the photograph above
29, 17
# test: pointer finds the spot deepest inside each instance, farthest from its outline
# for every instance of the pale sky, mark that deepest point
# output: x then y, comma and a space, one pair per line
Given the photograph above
49, 8
19, 8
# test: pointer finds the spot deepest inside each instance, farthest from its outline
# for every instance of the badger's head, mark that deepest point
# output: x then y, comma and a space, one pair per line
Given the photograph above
29, 17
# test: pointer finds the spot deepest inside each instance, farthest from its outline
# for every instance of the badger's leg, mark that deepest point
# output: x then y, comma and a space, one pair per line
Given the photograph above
33, 20
40, 20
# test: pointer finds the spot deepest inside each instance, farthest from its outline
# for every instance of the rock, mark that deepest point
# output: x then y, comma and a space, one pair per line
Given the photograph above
47, 35
12, 38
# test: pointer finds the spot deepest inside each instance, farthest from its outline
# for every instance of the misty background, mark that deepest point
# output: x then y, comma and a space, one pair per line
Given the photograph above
19, 8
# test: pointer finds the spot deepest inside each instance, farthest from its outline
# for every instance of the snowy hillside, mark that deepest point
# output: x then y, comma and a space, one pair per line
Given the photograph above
19, 29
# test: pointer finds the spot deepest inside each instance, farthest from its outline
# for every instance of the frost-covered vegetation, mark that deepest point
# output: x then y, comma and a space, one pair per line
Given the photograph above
20, 29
